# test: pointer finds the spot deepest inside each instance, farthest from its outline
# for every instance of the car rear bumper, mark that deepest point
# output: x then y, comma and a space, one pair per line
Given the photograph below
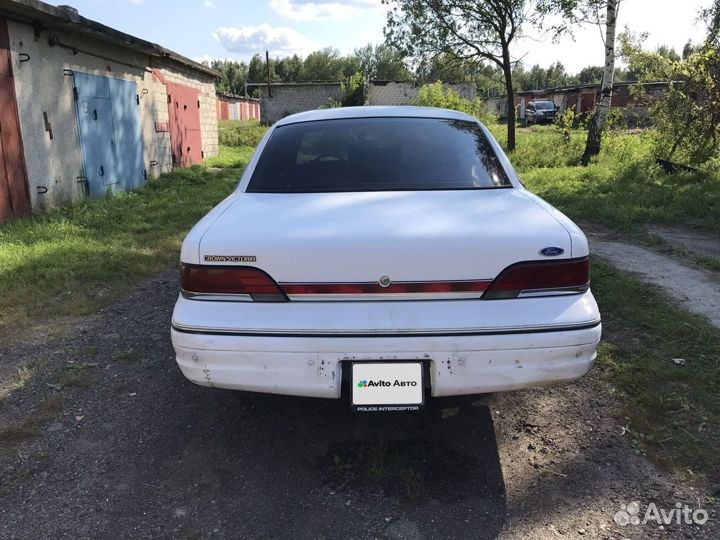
458, 364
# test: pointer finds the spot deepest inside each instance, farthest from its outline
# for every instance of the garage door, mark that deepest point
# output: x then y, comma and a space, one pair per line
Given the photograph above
184, 113
110, 133
14, 194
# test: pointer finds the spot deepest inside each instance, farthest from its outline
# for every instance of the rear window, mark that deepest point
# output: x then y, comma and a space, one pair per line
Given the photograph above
544, 105
377, 154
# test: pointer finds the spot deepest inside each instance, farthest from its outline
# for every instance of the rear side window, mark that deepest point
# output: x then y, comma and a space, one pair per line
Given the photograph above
377, 154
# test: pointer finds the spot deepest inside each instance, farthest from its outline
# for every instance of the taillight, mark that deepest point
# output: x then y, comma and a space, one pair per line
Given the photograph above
540, 278
199, 279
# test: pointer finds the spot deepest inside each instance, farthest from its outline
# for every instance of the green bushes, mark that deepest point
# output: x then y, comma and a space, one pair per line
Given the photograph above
437, 95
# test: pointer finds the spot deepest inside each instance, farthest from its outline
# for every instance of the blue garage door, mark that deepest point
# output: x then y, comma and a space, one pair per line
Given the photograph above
110, 133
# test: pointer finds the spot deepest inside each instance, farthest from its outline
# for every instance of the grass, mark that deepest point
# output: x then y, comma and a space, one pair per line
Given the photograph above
238, 133
72, 260
231, 157
623, 188
23, 376
671, 411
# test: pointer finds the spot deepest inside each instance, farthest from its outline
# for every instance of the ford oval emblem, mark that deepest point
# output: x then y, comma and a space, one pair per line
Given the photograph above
552, 251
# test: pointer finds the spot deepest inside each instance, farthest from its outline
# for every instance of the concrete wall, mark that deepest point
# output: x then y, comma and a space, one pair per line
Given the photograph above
294, 98
43, 84
406, 93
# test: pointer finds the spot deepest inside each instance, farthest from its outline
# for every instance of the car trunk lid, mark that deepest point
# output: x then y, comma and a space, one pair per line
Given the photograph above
384, 244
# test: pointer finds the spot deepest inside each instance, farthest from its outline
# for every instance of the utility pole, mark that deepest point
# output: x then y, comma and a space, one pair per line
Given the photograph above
267, 67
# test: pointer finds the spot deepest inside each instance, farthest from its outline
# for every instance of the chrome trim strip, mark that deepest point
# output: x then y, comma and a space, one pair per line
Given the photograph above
385, 333
363, 297
561, 291
216, 297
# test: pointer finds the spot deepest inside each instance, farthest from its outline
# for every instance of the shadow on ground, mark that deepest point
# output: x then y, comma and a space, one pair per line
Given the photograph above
138, 451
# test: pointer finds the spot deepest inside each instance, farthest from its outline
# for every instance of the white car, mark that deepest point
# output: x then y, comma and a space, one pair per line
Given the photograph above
385, 255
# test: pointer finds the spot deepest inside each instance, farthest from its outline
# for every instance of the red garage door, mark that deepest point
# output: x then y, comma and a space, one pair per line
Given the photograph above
184, 109
14, 194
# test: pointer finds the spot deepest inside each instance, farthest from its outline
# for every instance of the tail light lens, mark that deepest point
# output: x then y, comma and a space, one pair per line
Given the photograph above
198, 280
540, 278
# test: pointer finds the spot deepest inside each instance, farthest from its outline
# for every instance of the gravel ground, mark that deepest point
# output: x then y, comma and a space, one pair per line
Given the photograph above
689, 240
108, 440
695, 289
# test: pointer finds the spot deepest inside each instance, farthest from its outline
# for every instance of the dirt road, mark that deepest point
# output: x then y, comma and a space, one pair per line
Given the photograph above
108, 440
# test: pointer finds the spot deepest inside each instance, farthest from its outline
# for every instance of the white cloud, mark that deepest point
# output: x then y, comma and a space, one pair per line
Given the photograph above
205, 58
136, 2
209, 3
248, 40
313, 10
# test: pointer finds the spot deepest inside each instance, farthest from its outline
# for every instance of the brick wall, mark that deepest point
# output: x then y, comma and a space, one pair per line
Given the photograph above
294, 98
406, 93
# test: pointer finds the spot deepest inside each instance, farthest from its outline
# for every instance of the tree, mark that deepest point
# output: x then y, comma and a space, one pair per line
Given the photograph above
256, 70
232, 75
382, 62
604, 14
324, 65
686, 117
711, 16
290, 69
597, 121
688, 49
590, 75
444, 67
463, 29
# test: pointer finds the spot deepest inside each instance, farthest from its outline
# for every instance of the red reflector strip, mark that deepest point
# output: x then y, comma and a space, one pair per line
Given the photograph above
538, 276
394, 288
205, 279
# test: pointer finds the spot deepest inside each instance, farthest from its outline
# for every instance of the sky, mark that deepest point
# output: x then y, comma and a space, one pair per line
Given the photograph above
236, 29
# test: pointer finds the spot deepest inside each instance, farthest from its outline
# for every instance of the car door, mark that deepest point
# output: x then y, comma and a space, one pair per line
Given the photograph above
530, 113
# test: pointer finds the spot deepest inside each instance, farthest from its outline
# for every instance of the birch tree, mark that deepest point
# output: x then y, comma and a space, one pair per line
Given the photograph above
597, 122
467, 30
602, 13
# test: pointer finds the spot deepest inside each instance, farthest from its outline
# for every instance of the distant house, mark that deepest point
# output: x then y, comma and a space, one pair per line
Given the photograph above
233, 107
87, 109
582, 97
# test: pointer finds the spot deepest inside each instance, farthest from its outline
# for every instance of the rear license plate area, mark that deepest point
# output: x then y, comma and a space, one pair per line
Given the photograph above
387, 386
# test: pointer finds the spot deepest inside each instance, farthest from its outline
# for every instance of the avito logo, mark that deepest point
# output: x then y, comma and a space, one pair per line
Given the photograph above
381, 383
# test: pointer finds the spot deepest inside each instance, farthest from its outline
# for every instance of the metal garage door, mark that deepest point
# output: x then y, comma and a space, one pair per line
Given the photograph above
110, 133
184, 112
14, 194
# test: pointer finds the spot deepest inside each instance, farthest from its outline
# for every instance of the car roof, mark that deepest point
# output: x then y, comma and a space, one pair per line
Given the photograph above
374, 111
